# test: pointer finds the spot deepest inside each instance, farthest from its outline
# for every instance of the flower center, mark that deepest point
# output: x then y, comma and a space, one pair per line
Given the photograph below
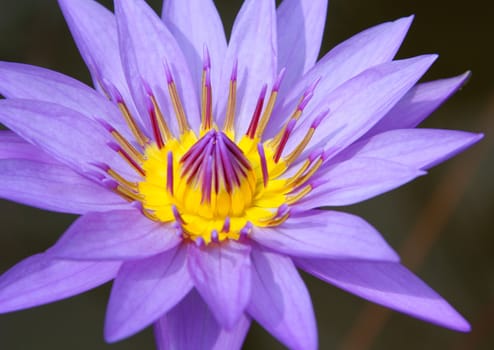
208, 186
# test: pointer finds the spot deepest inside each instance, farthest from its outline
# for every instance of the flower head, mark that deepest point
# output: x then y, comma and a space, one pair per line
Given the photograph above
199, 166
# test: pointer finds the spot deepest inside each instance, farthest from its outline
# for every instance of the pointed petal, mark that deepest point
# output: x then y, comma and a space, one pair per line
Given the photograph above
221, 274
144, 290
300, 31
61, 132
145, 45
356, 180
253, 44
40, 279
390, 285
196, 24
372, 47
280, 301
193, 317
34, 83
115, 235
326, 234
95, 32
360, 103
13, 146
418, 103
53, 186
415, 148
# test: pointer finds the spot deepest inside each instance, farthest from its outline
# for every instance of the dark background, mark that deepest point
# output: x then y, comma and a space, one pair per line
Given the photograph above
441, 224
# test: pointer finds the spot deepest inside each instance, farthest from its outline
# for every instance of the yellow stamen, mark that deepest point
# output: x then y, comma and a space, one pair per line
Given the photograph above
162, 125
139, 136
127, 146
230, 112
301, 194
183, 125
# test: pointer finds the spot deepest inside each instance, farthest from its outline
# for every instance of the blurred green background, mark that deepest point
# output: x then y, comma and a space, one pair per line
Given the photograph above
442, 223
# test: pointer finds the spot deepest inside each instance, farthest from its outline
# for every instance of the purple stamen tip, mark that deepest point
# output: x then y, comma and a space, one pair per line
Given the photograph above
168, 73
110, 184
244, 232
208, 78
319, 119
315, 154
101, 166
105, 125
263, 92
305, 101
316, 182
206, 61
147, 87
226, 225
200, 242
114, 146
290, 126
177, 216
234, 70
279, 79
214, 236
94, 174
115, 95
312, 87
282, 210
178, 230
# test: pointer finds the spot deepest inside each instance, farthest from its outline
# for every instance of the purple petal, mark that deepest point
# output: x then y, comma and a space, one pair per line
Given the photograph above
53, 186
95, 32
40, 279
144, 290
418, 103
65, 134
221, 274
115, 235
13, 146
145, 45
388, 284
372, 47
33, 83
280, 301
196, 24
360, 103
300, 31
191, 325
326, 234
356, 180
415, 148
253, 44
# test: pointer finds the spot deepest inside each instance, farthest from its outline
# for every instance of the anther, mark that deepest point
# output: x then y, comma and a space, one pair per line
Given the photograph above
161, 132
206, 105
284, 139
251, 131
183, 125
232, 100
122, 141
264, 164
169, 173
305, 141
134, 163
270, 106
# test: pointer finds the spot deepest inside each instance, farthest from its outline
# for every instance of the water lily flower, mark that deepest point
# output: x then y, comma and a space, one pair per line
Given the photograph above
198, 166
